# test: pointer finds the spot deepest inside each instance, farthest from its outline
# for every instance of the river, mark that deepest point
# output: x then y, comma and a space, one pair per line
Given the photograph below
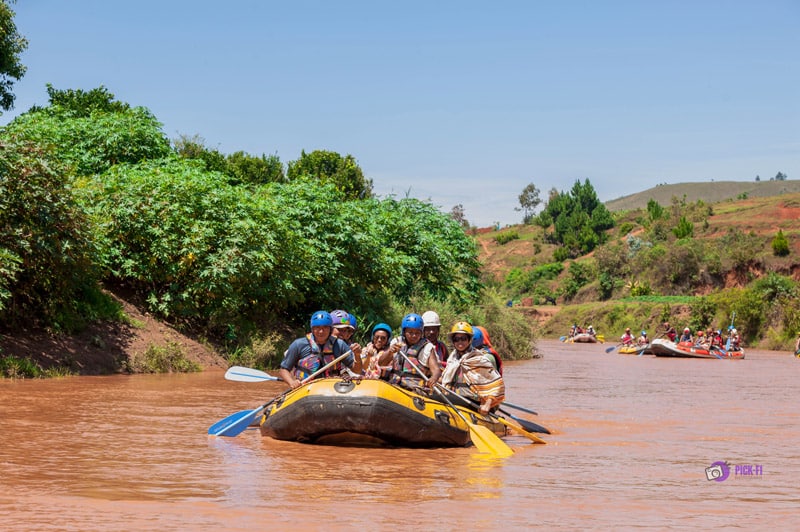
632, 439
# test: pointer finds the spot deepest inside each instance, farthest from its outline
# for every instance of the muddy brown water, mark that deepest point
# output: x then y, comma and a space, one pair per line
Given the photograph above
633, 437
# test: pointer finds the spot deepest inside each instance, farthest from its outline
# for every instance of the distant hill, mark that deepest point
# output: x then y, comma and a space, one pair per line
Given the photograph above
709, 192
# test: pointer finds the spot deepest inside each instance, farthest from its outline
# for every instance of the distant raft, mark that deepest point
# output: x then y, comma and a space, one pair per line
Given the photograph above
665, 348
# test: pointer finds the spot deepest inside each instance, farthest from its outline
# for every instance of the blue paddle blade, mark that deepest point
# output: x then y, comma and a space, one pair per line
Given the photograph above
234, 424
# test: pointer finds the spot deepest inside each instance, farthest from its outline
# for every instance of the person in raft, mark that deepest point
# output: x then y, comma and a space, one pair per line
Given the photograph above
670, 332
627, 338
420, 356
431, 326
374, 349
470, 372
344, 327
642, 340
313, 351
481, 340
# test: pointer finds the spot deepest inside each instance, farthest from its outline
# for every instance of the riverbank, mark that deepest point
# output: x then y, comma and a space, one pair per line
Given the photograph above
106, 347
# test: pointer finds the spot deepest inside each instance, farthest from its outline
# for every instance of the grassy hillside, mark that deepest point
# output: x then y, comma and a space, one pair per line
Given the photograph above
727, 265
711, 192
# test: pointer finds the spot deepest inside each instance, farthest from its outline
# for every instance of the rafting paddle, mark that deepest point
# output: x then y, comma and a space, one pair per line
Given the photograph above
518, 424
609, 349
482, 438
521, 409
234, 424
728, 342
713, 350
530, 426
242, 374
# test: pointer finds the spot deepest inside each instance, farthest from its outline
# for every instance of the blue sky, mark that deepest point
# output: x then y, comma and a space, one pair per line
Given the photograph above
457, 102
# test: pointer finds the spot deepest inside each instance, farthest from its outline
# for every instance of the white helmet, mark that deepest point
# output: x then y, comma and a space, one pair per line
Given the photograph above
733, 331
431, 319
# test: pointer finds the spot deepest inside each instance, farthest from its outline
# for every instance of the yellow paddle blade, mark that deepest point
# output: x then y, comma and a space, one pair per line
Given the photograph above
601, 338
487, 441
518, 428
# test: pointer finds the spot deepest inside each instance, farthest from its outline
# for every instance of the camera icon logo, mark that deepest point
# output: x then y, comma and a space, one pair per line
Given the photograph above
718, 471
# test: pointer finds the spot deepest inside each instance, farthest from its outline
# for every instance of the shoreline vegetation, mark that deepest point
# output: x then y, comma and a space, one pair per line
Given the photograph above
124, 251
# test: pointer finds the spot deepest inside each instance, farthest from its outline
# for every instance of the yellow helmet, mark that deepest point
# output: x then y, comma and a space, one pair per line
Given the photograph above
462, 327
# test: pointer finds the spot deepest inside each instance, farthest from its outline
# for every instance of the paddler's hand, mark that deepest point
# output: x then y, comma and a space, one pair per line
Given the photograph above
295, 384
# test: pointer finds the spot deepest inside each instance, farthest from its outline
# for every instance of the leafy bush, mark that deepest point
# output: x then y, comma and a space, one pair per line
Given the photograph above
625, 228
684, 229
522, 282
775, 287
579, 276
703, 313
263, 351
18, 368
506, 236
219, 254
330, 167
92, 139
510, 331
740, 248
780, 245
168, 358
47, 245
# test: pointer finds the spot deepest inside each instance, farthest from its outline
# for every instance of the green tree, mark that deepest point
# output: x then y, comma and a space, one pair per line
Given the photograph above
580, 274
194, 147
529, 200
655, 210
77, 103
780, 244
246, 168
90, 133
12, 44
579, 219
684, 229
328, 166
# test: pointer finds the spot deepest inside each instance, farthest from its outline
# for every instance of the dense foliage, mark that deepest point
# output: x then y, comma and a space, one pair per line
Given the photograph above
47, 246
578, 218
330, 167
221, 250
12, 44
90, 133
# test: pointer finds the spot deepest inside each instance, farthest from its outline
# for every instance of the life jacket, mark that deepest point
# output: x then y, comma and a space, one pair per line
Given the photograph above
403, 371
316, 359
441, 353
487, 346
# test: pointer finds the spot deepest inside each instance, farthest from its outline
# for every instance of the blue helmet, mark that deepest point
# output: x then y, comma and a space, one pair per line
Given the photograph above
382, 327
644, 333
353, 321
477, 337
412, 321
321, 318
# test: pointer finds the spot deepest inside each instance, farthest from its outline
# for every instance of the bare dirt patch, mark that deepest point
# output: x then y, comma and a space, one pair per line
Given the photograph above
105, 347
